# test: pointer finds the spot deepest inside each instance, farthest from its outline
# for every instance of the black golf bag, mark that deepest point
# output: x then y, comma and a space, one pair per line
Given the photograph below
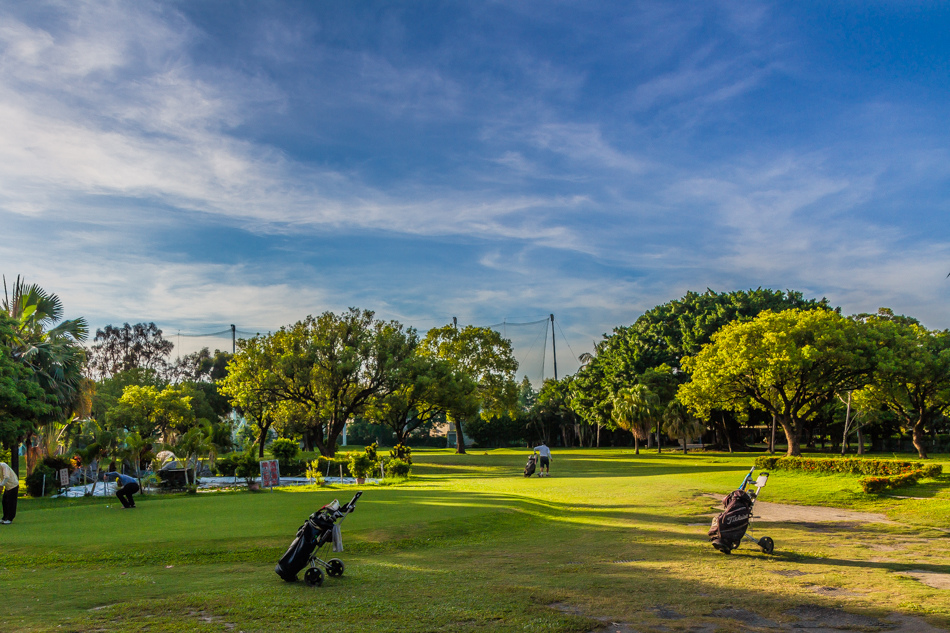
298, 554
730, 526
531, 465
318, 530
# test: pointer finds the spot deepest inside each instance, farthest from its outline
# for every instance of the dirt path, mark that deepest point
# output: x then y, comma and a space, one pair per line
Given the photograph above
766, 511
783, 512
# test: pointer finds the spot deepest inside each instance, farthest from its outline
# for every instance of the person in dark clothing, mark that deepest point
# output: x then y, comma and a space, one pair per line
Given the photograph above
10, 487
125, 487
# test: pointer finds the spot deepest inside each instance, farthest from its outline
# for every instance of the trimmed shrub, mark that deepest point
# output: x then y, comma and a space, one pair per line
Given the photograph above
401, 452
361, 465
284, 450
398, 468
874, 467
873, 485
372, 451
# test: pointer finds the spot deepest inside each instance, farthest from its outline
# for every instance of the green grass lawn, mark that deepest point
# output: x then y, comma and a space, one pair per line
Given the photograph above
470, 545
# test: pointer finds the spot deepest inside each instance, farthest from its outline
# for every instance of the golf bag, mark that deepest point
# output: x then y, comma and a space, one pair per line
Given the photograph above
531, 465
319, 529
730, 526
298, 554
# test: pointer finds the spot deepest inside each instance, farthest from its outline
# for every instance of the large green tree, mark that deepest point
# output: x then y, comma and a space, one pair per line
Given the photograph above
912, 379
327, 369
429, 388
486, 358
786, 363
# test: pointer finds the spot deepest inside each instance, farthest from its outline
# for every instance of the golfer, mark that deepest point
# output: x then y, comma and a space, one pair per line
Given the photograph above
545, 462
129, 488
11, 488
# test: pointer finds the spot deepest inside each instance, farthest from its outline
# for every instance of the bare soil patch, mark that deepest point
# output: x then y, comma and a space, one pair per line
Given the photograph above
931, 579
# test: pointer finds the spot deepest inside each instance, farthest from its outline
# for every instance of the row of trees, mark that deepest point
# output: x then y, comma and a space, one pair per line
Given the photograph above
763, 356
308, 379
700, 364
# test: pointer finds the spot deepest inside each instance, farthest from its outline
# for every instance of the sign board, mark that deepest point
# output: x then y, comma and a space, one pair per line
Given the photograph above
64, 477
270, 473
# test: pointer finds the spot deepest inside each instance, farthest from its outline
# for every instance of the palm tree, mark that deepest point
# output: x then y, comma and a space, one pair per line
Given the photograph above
135, 446
679, 422
635, 409
50, 347
192, 445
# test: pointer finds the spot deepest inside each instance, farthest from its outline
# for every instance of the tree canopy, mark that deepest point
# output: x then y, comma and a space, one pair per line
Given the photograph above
786, 363
486, 358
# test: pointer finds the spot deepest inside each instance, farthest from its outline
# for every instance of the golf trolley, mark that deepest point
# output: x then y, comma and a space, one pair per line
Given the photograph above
320, 529
732, 524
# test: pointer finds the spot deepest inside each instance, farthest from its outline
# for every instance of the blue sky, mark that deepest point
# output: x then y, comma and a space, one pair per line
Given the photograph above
198, 164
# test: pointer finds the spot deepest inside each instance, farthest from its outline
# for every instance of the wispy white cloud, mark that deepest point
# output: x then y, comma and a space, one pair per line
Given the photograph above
593, 188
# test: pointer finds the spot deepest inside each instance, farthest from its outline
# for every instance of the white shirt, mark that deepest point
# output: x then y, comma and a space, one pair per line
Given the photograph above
8, 478
544, 450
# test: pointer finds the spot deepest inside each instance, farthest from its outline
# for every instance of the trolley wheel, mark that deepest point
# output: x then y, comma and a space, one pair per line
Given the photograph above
767, 544
313, 577
335, 567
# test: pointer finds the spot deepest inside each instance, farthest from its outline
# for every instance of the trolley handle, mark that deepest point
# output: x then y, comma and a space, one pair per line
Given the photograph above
351, 505
748, 478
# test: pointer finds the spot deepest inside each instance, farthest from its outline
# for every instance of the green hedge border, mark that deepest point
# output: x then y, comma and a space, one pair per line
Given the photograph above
885, 474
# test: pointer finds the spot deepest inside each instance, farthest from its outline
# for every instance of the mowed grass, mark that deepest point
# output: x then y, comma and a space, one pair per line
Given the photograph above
470, 545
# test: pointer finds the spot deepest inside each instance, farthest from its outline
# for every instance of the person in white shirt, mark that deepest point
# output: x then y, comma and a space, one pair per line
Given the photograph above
545, 462
10, 484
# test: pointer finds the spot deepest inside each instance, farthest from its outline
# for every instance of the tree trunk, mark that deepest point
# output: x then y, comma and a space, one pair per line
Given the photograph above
459, 438
659, 443
860, 441
598, 436
920, 442
791, 436
772, 439
684, 444
636, 444
15, 457
725, 430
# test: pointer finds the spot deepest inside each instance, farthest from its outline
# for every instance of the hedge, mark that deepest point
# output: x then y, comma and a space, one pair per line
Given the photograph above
885, 473
874, 467
873, 485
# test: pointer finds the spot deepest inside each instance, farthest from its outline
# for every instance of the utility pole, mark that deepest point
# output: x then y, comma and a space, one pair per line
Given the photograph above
233, 339
553, 348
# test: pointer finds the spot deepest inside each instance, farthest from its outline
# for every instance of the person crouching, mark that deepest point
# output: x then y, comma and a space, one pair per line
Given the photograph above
125, 487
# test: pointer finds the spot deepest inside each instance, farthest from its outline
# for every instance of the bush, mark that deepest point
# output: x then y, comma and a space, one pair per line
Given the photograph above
332, 465
874, 467
248, 467
293, 468
4, 455
313, 471
34, 483
284, 450
398, 468
401, 452
237, 464
361, 465
225, 465
873, 485
372, 451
